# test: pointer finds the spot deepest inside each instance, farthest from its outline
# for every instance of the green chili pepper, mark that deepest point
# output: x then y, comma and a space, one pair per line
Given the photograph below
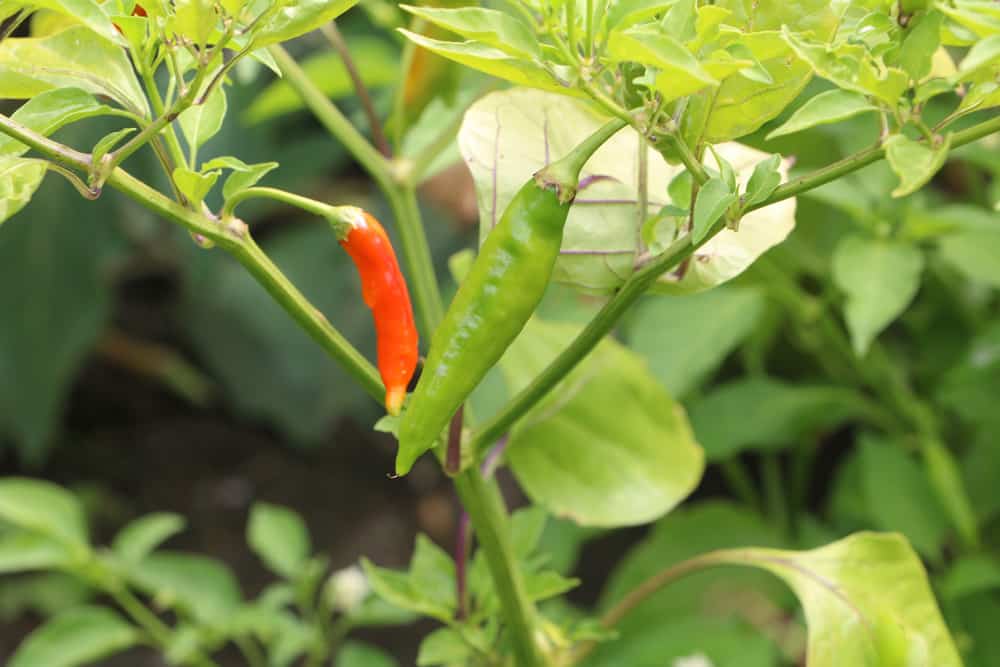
493, 303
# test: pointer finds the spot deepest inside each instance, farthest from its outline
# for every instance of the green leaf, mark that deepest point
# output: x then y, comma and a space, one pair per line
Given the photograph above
916, 55
492, 61
280, 537
911, 507
983, 53
764, 180
444, 646
765, 414
19, 179
47, 112
44, 594
45, 508
88, 12
946, 480
711, 324
108, 142
141, 537
496, 29
866, 600
507, 136
356, 654
244, 175
75, 638
395, 588
63, 244
198, 586
73, 58
22, 551
714, 198
968, 240
194, 185
831, 106
632, 458
302, 17
377, 63
195, 20
880, 279
850, 67
702, 613
678, 73
968, 575
971, 387
433, 572
914, 162
200, 123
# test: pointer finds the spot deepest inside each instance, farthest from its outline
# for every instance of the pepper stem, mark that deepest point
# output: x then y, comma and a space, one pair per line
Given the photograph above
341, 218
563, 175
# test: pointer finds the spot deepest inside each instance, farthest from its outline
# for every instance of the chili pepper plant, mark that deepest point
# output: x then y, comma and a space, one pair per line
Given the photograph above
668, 191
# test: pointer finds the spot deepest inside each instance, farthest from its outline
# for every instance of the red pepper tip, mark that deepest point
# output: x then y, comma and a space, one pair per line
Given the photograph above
394, 397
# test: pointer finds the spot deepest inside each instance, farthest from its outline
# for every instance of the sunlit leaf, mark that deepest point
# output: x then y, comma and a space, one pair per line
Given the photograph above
73, 58
632, 458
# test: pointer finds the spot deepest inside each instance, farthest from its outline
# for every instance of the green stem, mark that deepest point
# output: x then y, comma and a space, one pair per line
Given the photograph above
690, 160
861, 159
298, 201
402, 198
645, 276
589, 29
333, 119
150, 622
55, 151
774, 491
417, 254
309, 318
740, 482
489, 517
591, 335
251, 651
234, 238
565, 172
571, 30
336, 39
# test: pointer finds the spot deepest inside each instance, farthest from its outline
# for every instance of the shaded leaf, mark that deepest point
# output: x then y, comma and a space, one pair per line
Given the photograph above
280, 537
75, 638
761, 413
199, 586
914, 162
710, 324
880, 279
141, 537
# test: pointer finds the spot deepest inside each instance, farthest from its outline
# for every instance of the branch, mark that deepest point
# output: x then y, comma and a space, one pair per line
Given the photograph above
332, 34
230, 235
644, 277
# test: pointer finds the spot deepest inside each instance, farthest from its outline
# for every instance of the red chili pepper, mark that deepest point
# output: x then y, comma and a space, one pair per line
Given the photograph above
384, 290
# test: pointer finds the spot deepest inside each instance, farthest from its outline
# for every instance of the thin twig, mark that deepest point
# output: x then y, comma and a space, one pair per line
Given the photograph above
336, 39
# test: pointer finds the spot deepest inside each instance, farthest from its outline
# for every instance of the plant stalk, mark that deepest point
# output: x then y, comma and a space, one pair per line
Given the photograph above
482, 501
